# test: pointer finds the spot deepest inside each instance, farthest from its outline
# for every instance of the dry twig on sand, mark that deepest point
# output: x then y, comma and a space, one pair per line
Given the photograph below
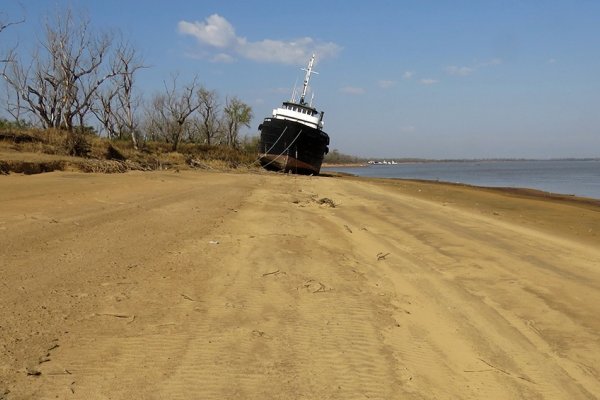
501, 370
32, 371
321, 288
382, 256
271, 273
118, 315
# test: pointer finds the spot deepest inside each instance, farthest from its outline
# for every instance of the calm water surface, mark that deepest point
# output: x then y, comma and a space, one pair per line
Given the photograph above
580, 178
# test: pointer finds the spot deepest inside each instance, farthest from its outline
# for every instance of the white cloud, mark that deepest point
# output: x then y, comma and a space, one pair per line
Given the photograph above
386, 84
407, 74
459, 71
493, 61
352, 90
428, 81
293, 52
217, 32
468, 70
222, 58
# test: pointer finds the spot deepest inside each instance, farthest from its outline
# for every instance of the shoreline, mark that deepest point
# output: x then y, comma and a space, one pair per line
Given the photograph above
343, 165
460, 160
534, 208
571, 180
521, 191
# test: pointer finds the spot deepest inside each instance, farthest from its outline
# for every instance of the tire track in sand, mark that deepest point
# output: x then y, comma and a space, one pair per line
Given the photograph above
476, 321
299, 332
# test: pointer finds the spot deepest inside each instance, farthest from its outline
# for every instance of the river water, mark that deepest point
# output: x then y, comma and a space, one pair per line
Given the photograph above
572, 177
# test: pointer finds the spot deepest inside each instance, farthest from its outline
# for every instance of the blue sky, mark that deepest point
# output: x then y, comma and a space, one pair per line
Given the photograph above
430, 79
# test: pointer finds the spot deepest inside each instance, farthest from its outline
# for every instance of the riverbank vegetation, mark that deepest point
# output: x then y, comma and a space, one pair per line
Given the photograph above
26, 149
76, 95
338, 158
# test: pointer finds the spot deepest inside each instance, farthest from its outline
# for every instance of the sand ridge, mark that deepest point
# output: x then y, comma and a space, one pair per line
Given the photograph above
221, 285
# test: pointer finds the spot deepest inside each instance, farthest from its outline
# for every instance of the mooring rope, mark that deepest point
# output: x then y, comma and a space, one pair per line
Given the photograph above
267, 151
286, 149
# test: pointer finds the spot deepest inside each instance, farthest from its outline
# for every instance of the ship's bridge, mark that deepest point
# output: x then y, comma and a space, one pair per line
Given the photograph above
301, 113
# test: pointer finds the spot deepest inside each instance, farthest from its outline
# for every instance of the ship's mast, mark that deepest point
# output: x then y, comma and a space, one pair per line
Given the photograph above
307, 77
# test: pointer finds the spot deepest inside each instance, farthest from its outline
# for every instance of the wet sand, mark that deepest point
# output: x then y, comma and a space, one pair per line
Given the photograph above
263, 286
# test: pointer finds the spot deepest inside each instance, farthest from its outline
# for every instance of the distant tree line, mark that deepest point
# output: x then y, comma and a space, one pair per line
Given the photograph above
78, 75
335, 157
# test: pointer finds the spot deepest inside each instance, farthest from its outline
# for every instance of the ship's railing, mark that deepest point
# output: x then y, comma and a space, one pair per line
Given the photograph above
295, 116
302, 121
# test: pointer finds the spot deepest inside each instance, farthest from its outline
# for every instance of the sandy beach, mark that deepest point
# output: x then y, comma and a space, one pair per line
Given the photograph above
213, 285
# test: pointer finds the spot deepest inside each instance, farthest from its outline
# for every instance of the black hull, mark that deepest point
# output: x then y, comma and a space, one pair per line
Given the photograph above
290, 146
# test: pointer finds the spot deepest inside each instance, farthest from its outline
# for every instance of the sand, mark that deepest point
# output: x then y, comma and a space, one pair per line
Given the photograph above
205, 285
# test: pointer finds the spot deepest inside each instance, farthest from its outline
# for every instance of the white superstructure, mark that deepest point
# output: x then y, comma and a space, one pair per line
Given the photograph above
300, 111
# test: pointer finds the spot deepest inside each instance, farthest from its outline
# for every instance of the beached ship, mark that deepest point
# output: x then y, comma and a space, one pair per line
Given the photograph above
292, 139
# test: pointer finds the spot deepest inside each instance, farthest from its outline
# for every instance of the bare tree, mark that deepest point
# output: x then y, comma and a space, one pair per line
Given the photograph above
209, 111
156, 119
3, 25
236, 114
104, 110
13, 106
6, 24
11, 96
67, 70
116, 105
176, 107
128, 63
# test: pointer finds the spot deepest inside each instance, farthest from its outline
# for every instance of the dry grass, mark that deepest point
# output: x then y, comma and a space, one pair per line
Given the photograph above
103, 155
